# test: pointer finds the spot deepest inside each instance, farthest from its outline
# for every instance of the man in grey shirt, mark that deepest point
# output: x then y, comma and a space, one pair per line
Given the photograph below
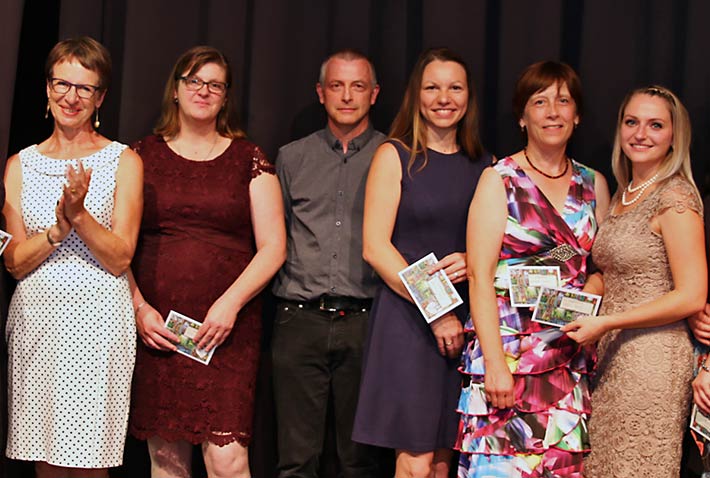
325, 289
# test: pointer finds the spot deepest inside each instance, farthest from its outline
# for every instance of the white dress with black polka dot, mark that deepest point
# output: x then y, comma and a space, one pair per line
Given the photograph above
70, 331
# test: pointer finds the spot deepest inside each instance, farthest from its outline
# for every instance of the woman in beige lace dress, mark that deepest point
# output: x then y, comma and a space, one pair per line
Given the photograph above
653, 231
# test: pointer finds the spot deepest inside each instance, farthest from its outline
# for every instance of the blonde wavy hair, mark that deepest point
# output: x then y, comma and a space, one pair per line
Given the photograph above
677, 161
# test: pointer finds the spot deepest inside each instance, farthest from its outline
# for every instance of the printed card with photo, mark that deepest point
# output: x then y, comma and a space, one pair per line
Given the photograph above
700, 422
526, 281
186, 329
5, 238
434, 294
559, 307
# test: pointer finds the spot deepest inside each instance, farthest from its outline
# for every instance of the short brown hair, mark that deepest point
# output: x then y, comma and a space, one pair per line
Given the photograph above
91, 54
408, 126
188, 64
541, 75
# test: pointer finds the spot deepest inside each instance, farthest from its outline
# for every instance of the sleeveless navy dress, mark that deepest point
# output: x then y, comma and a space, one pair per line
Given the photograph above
408, 391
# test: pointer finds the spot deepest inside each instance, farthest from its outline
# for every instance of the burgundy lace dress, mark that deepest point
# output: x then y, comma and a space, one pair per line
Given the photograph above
196, 238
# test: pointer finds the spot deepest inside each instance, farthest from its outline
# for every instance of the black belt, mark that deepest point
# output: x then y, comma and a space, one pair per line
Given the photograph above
334, 303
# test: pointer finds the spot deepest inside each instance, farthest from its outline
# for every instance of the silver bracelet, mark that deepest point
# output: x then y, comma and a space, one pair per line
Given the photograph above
140, 306
704, 366
51, 241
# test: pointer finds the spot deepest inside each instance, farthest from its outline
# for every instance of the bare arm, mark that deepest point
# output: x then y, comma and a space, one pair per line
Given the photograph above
484, 238
149, 323
601, 191
382, 196
682, 234
267, 215
24, 254
595, 284
113, 249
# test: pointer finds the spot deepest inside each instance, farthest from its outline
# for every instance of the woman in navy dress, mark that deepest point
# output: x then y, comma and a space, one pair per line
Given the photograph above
418, 190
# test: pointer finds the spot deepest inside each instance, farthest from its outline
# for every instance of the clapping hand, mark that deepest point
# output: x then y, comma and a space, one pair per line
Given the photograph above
75, 190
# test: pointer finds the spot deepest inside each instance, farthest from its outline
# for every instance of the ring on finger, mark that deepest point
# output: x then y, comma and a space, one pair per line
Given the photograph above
456, 274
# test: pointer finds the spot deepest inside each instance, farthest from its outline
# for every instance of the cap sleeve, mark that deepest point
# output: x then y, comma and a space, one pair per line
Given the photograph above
260, 163
680, 195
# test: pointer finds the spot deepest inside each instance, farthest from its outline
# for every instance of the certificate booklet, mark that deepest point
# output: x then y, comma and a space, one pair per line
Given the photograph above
434, 294
559, 307
186, 329
526, 281
4, 240
700, 422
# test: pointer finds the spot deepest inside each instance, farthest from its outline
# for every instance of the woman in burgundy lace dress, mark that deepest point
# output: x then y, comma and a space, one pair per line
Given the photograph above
211, 238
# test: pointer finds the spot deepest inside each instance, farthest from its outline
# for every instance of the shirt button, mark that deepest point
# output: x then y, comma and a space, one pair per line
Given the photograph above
332, 289
338, 223
335, 255
340, 193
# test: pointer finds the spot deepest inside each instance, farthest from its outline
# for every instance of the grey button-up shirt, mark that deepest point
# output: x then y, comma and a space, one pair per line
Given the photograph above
324, 194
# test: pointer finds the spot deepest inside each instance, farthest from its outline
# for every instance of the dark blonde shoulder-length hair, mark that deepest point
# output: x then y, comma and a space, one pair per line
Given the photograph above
677, 160
408, 126
189, 63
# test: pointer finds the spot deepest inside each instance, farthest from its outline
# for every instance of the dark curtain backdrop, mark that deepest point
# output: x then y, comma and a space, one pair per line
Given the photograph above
276, 47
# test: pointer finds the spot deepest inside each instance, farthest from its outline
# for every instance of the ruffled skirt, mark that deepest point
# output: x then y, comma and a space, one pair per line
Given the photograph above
545, 433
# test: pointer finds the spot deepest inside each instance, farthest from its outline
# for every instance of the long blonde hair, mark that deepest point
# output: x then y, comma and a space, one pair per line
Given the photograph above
677, 161
408, 127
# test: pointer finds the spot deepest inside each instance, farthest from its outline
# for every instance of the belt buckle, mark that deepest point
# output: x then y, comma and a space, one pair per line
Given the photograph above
322, 305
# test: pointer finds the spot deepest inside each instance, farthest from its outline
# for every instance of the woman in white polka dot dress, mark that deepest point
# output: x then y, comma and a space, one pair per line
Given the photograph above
73, 206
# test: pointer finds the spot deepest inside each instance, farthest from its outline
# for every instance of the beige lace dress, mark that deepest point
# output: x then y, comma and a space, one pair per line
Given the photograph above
642, 388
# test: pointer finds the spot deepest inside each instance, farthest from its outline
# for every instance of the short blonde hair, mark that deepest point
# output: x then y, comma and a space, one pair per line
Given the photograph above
677, 160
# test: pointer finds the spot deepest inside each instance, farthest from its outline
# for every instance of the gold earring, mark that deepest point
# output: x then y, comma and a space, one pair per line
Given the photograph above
97, 123
46, 113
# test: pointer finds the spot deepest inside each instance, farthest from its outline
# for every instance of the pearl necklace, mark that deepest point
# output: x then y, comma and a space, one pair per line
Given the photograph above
640, 188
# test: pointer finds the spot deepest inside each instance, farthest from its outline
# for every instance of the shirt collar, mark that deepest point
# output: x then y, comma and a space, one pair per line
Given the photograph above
355, 144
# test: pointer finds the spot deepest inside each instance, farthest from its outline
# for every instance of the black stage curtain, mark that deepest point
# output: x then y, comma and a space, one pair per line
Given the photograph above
276, 47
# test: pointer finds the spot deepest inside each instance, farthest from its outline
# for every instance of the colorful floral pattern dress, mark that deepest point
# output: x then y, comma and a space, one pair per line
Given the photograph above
545, 433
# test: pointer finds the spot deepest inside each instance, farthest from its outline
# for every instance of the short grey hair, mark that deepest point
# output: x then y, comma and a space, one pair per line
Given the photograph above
347, 54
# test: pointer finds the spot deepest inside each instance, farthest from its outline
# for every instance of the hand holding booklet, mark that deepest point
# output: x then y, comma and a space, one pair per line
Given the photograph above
559, 307
434, 294
186, 329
